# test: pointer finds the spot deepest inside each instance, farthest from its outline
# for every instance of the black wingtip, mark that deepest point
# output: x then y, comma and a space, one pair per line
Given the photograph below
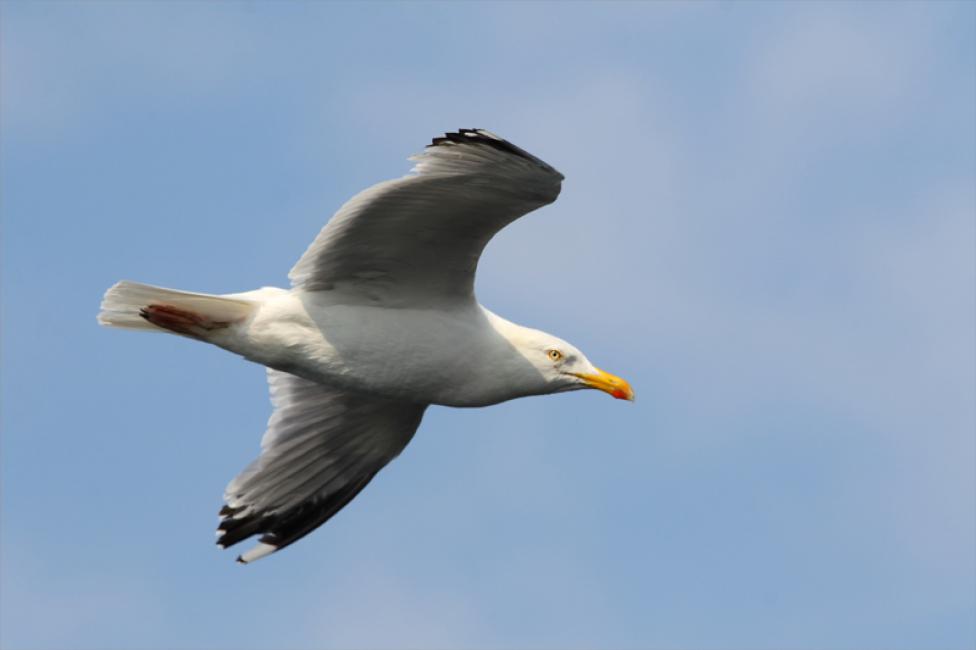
228, 511
279, 529
485, 137
477, 136
463, 136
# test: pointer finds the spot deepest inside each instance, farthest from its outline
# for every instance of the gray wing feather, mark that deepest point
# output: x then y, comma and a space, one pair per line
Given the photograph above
416, 240
322, 446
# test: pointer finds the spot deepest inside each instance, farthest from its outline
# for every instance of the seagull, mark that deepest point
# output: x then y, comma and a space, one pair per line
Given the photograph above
381, 321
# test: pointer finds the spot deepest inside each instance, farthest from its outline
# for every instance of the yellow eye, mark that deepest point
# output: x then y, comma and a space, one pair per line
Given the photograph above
555, 355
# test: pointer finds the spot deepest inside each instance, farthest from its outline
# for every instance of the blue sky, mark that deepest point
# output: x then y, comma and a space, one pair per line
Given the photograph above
768, 225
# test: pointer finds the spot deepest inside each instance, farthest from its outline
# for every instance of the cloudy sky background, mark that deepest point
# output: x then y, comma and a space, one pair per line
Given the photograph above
768, 226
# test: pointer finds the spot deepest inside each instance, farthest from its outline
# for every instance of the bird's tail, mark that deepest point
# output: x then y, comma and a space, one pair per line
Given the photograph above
144, 307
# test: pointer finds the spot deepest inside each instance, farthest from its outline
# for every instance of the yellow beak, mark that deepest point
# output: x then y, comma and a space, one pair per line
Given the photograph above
608, 383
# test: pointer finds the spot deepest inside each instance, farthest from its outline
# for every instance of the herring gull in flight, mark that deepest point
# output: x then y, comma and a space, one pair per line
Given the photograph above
381, 321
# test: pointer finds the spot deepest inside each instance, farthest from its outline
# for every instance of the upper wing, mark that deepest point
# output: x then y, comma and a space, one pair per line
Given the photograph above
416, 240
321, 448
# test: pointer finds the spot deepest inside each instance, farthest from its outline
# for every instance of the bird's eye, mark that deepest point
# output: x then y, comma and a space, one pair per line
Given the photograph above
554, 355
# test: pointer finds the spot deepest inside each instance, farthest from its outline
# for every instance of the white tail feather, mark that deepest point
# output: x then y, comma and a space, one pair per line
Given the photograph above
257, 552
124, 300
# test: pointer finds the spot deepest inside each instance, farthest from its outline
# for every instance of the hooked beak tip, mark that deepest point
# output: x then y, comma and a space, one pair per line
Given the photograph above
615, 386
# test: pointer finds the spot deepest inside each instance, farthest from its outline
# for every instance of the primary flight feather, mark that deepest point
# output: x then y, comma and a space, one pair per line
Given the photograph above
381, 321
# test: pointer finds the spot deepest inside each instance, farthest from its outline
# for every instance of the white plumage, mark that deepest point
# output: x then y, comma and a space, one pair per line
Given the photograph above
381, 321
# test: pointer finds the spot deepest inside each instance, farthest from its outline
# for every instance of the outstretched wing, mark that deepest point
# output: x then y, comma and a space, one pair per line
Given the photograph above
416, 240
321, 448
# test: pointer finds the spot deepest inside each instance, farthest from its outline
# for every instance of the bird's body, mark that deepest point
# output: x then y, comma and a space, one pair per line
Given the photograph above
395, 353
381, 322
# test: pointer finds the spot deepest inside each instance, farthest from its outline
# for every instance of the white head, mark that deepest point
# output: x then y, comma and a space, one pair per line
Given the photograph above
561, 366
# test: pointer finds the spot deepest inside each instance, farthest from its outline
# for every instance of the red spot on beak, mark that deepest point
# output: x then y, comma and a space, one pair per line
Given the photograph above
610, 384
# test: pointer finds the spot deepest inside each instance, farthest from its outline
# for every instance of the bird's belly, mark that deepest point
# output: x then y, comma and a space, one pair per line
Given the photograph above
422, 356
